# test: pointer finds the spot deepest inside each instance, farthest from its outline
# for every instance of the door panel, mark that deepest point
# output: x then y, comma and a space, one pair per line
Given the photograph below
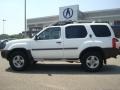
47, 49
49, 44
74, 37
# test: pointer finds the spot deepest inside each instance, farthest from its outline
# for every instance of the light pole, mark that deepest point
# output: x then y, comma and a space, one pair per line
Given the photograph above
25, 21
3, 26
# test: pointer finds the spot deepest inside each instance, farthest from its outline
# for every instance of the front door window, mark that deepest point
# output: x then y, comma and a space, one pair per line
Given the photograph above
50, 33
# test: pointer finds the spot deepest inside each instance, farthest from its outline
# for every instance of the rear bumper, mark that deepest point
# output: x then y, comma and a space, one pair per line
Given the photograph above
4, 53
119, 51
111, 52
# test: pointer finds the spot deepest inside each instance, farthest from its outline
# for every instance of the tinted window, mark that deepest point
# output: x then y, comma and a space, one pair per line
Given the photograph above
75, 32
50, 33
116, 30
101, 30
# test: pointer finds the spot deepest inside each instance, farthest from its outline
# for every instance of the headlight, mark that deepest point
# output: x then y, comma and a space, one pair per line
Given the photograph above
2, 45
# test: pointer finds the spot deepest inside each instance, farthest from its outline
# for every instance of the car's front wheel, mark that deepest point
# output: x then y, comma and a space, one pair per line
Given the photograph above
18, 61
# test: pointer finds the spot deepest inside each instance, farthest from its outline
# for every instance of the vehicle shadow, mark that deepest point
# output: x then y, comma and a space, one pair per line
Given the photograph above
66, 69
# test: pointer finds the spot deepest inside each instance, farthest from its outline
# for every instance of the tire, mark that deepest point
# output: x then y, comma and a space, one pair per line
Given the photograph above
18, 61
92, 61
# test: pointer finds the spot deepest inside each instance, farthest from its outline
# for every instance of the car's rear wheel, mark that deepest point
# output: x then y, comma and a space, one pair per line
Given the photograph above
92, 61
18, 61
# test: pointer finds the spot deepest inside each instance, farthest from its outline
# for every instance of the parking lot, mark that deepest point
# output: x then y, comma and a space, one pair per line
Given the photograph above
60, 76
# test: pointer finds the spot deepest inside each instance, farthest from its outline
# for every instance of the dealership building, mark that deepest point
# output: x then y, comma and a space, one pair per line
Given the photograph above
72, 13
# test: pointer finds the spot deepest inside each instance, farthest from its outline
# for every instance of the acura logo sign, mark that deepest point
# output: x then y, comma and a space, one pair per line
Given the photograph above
68, 13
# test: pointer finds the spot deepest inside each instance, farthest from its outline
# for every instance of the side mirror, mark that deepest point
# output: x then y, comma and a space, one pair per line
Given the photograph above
36, 37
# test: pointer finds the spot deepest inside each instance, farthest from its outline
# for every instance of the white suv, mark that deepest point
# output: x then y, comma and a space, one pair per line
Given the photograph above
90, 43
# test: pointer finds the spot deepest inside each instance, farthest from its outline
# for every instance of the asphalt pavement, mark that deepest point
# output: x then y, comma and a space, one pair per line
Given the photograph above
60, 76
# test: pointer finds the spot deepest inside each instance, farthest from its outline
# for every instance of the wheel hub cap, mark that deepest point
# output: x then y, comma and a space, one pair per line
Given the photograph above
92, 62
18, 61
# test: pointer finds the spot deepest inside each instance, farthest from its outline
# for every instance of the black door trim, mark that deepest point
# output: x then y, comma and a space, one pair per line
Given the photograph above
71, 48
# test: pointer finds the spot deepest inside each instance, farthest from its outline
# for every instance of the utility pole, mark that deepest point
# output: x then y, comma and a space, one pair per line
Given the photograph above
25, 21
3, 26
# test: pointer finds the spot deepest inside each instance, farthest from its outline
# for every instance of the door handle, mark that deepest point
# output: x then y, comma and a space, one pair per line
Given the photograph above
58, 42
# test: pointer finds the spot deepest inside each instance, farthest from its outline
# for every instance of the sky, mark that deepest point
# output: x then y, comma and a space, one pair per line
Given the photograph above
13, 10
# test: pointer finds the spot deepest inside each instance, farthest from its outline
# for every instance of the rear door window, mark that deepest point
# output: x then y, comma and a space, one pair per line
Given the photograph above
101, 30
75, 32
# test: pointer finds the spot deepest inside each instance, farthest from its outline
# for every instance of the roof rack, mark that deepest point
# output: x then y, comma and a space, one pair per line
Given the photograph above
61, 23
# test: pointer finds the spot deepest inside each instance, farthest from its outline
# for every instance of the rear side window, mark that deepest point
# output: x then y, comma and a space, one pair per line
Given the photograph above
101, 30
75, 32
116, 30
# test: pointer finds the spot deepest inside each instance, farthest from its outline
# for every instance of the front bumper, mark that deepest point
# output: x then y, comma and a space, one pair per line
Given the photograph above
4, 53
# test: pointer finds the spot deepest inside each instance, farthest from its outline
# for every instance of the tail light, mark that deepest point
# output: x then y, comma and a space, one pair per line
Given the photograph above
114, 40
